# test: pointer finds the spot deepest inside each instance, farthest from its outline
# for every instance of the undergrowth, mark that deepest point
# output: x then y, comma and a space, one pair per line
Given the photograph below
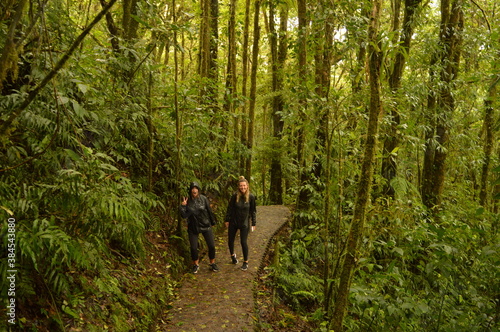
414, 274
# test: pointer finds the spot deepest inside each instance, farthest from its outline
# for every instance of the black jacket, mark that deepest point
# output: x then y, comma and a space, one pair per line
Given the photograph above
241, 213
199, 214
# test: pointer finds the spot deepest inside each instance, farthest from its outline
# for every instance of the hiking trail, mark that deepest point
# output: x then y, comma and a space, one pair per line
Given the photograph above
224, 300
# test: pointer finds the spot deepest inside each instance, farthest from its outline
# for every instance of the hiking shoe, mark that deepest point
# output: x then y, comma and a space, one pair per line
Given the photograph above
195, 268
214, 267
244, 267
234, 260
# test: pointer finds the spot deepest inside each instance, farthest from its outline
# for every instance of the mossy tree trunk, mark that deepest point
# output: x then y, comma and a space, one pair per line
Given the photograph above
392, 140
441, 103
365, 182
279, 45
253, 88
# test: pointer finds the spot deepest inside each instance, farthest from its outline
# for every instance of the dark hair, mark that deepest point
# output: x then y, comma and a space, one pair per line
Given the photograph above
194, 185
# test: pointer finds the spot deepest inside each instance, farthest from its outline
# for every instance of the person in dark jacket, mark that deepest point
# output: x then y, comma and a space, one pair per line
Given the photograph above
200, 219
241, 215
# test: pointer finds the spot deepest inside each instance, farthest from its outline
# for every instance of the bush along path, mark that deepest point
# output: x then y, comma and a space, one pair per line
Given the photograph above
215, 301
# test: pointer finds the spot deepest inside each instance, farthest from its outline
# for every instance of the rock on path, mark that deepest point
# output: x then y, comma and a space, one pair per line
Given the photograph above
211, 301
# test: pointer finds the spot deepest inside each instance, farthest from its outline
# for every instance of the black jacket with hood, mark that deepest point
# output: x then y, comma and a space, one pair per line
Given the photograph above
198, 212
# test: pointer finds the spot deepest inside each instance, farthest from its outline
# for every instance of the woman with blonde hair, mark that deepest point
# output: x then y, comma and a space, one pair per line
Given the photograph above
241, 215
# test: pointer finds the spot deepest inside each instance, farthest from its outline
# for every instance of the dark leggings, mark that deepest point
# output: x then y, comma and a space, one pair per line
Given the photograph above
231, 232
209, 238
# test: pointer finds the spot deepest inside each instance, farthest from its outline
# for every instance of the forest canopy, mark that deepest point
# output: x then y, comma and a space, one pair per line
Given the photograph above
376, 121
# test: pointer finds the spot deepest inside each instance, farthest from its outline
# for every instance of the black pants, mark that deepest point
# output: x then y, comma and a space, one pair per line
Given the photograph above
231, 233
209, 238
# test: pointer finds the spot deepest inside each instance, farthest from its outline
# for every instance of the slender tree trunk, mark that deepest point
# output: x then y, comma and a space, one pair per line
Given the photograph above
364, 186
488, 142
230, 93
358, 73
150, 126
322, 60
212, 61
391, 142
303, 197
204, 45
129, 28
449, 59
279, 44
244, 111
178, 123
8, 59
253, 86
113, 30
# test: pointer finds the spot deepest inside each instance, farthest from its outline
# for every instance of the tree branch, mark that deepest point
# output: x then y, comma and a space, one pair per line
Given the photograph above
4, 127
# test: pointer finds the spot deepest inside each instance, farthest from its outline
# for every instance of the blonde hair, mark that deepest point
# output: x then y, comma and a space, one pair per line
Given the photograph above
247, 194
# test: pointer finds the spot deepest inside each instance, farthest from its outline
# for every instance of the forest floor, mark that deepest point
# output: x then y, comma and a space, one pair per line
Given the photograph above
224, 300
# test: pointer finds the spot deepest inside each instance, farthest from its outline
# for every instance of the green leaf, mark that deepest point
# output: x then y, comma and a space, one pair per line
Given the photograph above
398, 251
109, 167
83, 88
70, 311
73, 155
7, 210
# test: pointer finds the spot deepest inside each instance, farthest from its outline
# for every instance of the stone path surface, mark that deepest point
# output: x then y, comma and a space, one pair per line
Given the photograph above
223, 301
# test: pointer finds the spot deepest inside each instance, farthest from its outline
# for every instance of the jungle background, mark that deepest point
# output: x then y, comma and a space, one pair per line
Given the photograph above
375, 121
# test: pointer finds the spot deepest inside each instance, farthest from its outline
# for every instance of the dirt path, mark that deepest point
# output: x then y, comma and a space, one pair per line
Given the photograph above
211, 301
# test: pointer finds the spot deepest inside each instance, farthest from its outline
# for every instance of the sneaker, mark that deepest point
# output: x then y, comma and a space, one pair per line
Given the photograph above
214, 267
244, 267
234, 259
195, 268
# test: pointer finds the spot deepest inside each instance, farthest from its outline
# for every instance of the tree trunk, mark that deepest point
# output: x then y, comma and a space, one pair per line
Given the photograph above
303, 197
391, 142
8, 59
204, 44
253, 86
151, 130
129, 23
322, 66
230, 93
279, 45
488, 143
358, 73
129, 28
178, 125
364, 186
442, 97
244, 79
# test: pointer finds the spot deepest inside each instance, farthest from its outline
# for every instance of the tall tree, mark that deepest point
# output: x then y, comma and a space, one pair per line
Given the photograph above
253, 87
322, 79
244, 93
279, 46
303, 197
441, 102
208, 51
488, 144
356, 232
231, 77
358, 80
392, 139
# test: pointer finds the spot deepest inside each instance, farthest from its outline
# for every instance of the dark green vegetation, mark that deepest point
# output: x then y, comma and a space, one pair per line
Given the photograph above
377, 121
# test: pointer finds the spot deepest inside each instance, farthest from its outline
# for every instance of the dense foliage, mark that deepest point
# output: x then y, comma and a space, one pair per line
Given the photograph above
103, 126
